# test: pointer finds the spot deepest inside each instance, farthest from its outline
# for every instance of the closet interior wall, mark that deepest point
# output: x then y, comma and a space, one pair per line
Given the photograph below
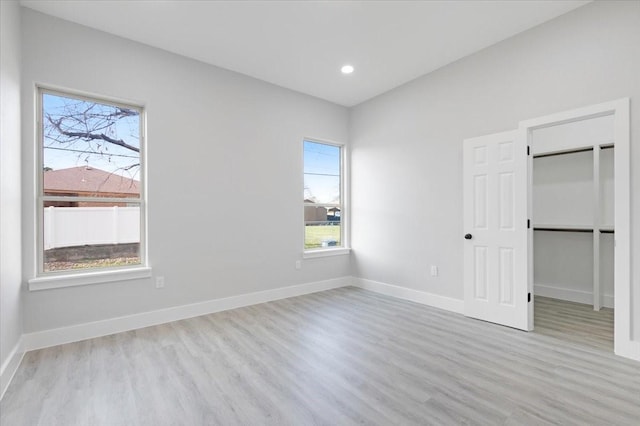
573, 211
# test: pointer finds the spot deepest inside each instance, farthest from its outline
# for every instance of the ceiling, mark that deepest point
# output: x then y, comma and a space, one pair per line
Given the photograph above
302, 45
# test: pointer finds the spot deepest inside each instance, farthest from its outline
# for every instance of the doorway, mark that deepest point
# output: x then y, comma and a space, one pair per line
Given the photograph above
579, 241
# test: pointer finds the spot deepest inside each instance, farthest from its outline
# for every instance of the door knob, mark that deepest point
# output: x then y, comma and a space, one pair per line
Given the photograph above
468, 237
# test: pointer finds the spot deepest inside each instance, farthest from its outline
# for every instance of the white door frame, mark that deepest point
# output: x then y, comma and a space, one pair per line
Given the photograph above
624, 345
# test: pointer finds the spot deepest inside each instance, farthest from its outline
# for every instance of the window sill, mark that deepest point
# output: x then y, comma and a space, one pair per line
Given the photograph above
86, 278
326, 252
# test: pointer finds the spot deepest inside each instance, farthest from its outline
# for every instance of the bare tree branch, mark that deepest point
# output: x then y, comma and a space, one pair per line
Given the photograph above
104, 135
91, 136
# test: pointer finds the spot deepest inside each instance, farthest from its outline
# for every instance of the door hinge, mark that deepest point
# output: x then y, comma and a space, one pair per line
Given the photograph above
528, 223
529, 298
528, 150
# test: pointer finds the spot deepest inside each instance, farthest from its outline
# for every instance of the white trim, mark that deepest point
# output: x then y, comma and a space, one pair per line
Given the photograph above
345, 218
623, 339
91, 96
624, 345
310, 254
10, 366
578, 114
571, 295
90, 277
429, 299
74, 333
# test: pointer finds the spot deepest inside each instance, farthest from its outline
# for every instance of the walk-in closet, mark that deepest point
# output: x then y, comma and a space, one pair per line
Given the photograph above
573, 221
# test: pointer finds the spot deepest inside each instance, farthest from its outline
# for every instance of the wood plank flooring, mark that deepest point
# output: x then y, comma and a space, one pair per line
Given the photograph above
339, 357
574, 322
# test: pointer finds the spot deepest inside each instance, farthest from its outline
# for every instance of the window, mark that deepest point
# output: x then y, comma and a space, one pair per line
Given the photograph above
90, 184
324, 213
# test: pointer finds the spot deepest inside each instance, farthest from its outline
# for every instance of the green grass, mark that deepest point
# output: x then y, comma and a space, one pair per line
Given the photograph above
315, 234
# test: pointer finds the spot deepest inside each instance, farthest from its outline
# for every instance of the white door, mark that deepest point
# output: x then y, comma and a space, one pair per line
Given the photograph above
495, 227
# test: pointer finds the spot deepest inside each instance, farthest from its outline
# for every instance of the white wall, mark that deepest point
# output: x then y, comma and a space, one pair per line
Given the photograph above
562, 189
220, 145
10, 243
407, 143
563, 266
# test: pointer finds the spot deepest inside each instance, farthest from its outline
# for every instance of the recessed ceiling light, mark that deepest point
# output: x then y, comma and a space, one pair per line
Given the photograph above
347, 69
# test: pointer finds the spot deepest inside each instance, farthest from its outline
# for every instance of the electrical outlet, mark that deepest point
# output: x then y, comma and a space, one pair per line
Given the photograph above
159, 282
434, 271
298, 264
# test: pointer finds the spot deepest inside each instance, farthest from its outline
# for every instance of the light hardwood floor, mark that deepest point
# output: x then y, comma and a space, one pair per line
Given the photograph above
340, 357
574, 322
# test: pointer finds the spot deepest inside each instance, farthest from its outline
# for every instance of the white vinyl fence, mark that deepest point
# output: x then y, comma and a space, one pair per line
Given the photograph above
79, 226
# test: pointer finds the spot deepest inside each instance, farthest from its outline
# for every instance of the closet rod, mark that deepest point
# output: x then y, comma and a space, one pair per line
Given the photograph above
573, 151
563, 229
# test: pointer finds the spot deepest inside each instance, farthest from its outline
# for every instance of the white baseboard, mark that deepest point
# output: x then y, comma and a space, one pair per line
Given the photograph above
430, 299
75, 333
10, 366
578, 296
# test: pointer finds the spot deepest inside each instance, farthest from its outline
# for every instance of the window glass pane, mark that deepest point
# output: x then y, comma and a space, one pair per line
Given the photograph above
90, 148
319, 234
321, 189
80, 235
322, 197
321, 214
321, 173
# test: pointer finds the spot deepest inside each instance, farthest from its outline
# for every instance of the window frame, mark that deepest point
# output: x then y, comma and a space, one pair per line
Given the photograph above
71, 277
344, 248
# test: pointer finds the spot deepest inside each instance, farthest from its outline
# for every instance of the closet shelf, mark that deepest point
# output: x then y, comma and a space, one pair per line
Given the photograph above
562, 152
563, 228
604, 145
606, 229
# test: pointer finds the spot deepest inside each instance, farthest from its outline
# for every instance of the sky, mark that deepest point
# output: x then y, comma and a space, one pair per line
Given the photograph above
321, 172
97, 153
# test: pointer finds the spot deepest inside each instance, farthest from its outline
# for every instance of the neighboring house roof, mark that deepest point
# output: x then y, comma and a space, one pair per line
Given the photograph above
85, 179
